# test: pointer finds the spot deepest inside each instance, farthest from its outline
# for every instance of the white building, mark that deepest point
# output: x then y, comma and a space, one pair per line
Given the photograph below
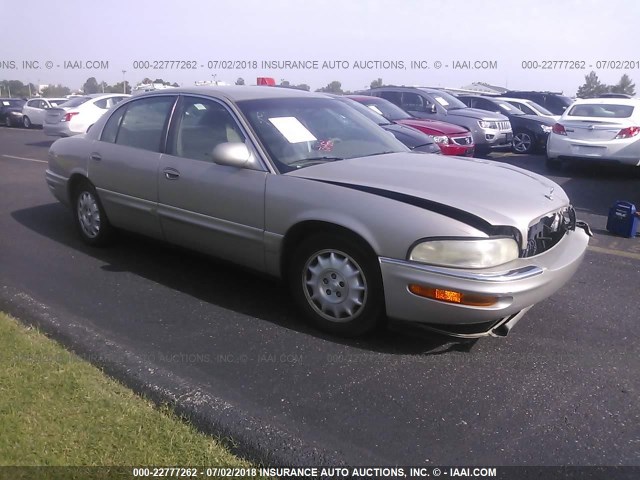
148, 87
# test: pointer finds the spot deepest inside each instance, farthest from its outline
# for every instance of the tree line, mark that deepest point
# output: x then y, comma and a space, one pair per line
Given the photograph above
592, 87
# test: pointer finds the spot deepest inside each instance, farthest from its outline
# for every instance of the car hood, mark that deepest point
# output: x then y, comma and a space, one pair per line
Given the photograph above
476, 113
498, 193
436, 126
411, 137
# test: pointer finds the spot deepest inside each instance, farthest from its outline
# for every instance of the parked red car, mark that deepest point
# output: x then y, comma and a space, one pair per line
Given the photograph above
452, 139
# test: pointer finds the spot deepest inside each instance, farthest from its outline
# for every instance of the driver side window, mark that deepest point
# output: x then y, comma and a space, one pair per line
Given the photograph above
202, 125
413, 101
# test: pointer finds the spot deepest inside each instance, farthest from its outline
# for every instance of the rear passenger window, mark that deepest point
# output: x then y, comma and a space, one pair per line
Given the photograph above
110, 131
144, 122
202, 125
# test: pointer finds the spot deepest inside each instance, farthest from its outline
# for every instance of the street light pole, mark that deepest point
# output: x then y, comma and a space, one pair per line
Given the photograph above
124, 82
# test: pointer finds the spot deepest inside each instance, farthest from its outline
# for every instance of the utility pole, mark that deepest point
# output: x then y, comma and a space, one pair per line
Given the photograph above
124, 82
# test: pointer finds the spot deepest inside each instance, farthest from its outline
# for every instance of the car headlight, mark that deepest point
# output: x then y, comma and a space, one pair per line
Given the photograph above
546, 128
443, 139
485, 124
461, 253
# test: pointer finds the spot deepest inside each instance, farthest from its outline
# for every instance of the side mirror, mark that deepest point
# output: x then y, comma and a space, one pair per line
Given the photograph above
233, 154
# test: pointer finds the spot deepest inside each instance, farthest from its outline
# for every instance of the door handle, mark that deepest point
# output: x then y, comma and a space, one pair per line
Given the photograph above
95, 156
171, 174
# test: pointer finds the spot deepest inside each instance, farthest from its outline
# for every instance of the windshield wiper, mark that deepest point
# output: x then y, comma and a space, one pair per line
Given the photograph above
378, 153
308, 161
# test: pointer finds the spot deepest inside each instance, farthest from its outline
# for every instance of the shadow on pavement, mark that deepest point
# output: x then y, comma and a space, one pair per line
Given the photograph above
43, 144
222, 284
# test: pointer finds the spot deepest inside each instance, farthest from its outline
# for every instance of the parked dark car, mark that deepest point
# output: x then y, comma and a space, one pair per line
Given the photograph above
554, 102
11, 111
411, 137
452, 139
530, 132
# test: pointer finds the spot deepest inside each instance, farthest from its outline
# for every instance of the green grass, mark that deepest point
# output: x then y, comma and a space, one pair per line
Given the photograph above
56, 409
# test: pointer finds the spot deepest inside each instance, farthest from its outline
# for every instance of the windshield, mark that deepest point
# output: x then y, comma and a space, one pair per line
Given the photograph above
447, 101
385, 108
509, 108
367, 112
10, 102
74, 102
539, 108
299, 132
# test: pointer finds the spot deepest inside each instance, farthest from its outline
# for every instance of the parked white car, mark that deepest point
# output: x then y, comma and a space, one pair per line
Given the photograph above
599, 129
530, 107
77, 115
34, 110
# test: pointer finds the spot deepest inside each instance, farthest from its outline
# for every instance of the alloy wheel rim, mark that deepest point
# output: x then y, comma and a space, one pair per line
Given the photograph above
334, 285
521, 142
89, 214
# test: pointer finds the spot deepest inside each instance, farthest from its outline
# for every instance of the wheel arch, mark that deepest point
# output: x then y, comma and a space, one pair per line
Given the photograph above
74, 180
307, 228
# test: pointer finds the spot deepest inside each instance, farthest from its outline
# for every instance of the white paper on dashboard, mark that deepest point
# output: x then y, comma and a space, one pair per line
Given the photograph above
292, 129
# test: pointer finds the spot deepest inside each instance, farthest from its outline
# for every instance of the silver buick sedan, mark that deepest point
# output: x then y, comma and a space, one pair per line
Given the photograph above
305, 188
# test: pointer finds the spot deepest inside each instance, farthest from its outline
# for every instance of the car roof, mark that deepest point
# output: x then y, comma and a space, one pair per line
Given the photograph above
366, 97
238, 92
514, 99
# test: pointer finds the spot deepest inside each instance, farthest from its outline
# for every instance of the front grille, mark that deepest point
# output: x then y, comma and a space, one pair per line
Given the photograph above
504, 125
549, 231
462, 140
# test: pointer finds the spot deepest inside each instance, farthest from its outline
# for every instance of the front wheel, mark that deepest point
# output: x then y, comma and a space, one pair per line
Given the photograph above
336, 281
523, 142
8, 121
90, 217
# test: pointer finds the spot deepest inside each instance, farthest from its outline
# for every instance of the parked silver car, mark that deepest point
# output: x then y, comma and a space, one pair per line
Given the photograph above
303, 187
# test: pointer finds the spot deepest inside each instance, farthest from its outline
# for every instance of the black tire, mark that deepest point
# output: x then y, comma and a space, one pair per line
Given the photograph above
7, 121
352, 275
523, 142
26, 122
553, 164
89, 215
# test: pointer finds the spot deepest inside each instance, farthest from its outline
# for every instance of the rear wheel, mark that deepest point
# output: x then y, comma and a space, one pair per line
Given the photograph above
26, 122
90, 218
8, 121
336, 281
523, 142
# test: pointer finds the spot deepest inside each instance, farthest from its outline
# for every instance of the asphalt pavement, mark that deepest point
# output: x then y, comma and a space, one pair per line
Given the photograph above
227, 346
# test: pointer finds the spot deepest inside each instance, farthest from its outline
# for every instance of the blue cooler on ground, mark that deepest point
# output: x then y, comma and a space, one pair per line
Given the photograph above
623, 219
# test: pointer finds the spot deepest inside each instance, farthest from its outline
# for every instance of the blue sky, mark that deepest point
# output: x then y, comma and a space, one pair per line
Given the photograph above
506, 31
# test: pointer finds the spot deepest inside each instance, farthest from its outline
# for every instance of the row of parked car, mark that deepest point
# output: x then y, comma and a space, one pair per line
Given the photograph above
60, 117
426, 119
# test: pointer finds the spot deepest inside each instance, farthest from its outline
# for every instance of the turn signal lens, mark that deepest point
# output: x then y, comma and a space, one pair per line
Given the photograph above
68, 116
558, 129
451, 296
628, 132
